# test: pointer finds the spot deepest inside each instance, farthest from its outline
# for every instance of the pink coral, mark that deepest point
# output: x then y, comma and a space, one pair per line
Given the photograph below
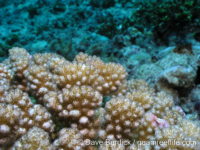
160, 123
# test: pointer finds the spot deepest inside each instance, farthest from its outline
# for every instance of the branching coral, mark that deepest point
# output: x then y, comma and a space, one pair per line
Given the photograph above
9, 123
41, 118
43, 59
163, 102
175, 139
4, 87
5, 80
78, 106
70, 95
19, 63
113, 74
145, 99
30, 115
5, 72
18, 51
21, 100
131, 85
69, 139
40, 81
150, 125
121, 117
36, 138
76, 74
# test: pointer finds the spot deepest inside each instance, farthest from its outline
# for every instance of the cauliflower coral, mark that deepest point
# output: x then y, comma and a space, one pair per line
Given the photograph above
69, 113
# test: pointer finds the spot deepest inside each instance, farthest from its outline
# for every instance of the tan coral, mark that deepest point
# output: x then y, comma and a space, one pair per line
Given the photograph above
81, 103
18, 98
9, 123
151, 123
41, 118
122, 90
55, 62
20, 64
172, 117
134, 85
4, 88
43, 59
7, 63
114, 74
5, 81
190, 128
163, 102
31, 115
35, 139
145, 99
179, 111
169, 137
76, 74
53, 104
39, 81
146, 130
17, 50
85, 58
69, 139
121, 117
21, 100
77, 106
140, 85
19, 60
71, 92
5, 72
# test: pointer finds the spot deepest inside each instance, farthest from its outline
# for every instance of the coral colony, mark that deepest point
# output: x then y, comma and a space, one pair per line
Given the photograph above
68, 113
99, 75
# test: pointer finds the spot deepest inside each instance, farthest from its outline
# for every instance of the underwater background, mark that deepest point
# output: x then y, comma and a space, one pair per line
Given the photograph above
76, 73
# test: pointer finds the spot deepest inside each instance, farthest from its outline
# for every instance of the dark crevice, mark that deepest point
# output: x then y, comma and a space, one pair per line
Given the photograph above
197, 80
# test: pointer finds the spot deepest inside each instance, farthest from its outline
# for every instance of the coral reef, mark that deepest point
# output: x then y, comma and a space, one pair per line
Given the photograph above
159, 17
54, 92
69, 113
176, 77
185, 49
